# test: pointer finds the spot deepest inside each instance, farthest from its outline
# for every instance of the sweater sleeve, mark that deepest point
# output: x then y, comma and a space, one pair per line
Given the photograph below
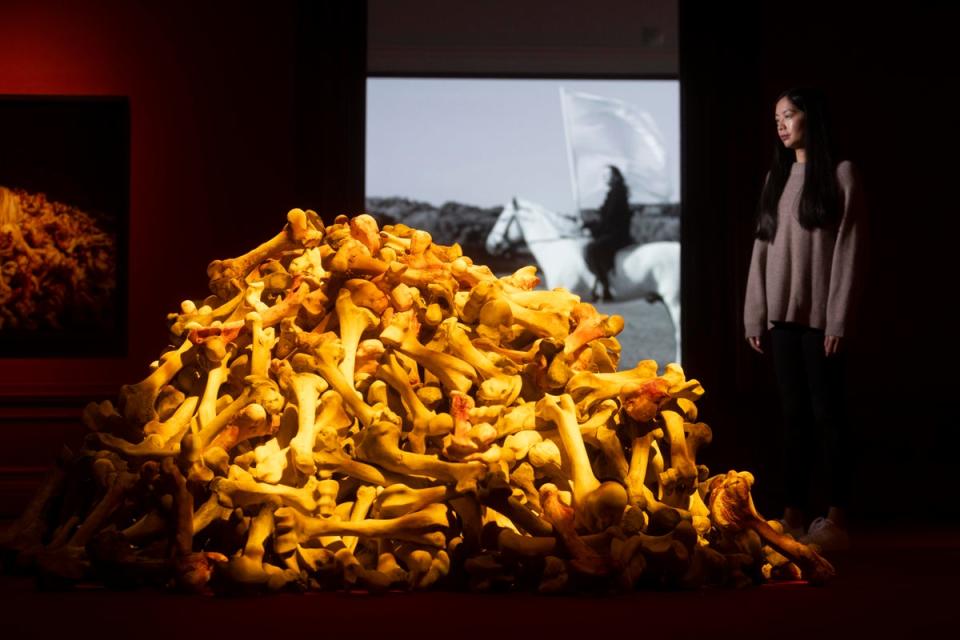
755, 303
847, 252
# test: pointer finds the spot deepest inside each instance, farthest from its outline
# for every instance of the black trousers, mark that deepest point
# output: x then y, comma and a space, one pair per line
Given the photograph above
815, 420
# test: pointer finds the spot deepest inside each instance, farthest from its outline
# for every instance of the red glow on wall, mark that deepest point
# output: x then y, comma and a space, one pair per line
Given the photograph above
211, 101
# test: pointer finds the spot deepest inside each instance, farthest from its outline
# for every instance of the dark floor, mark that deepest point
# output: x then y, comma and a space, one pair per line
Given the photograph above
895, 581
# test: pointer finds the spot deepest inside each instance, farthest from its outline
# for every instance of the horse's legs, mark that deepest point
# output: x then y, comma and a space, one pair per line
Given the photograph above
673, 307
594, 295
604, 287
606, 293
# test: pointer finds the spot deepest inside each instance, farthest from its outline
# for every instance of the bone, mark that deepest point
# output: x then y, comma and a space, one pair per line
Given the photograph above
596, 505
305, 387
423, 422
380, 445
732, 509
453, 373
137, 401
251, 422
248, 568
682, 476
193, 570
326, 363
176, 425
225, 274
458, 342
590, 325
401, 414
354, 321
260, 390
398, 499
330, 457
215, 377
361, 507
65, 557
430, 519
240, 489
584, 559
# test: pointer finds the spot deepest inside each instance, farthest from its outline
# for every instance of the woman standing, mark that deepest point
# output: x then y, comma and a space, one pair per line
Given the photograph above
804, 273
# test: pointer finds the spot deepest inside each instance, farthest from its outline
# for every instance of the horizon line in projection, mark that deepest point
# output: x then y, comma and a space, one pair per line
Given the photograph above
482, 141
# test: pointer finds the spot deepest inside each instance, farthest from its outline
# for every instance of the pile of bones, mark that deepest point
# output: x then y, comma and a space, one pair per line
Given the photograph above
363, 409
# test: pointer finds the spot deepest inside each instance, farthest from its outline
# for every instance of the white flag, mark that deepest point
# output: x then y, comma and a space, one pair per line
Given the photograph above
605, 131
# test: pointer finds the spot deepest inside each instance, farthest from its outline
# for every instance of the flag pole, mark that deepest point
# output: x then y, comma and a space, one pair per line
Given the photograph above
571, 161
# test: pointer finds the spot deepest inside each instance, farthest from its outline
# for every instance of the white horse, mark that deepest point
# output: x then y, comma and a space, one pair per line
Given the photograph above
650, 270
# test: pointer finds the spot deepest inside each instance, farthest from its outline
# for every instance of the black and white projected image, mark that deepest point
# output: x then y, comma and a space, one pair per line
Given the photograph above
579, 177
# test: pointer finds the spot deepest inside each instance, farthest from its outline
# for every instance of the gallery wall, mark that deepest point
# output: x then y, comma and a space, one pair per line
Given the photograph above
234, 116
211, 111
534, 38
887, 75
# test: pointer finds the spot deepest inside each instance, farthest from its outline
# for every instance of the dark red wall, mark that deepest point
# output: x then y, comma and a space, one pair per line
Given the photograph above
237, 115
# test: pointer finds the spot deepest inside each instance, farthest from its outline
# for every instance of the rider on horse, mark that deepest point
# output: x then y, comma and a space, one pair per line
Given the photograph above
611, 231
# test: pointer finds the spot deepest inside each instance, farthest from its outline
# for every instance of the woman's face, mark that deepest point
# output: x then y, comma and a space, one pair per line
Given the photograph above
790, 124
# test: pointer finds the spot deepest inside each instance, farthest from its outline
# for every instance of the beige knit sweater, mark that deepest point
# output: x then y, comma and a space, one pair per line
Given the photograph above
808, 277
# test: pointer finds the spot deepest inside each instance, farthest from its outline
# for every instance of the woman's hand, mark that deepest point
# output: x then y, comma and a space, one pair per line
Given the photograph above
831, 344
754, 342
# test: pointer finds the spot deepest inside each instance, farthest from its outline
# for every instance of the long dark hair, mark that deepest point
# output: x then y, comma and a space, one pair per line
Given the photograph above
616, 180
819, 200
618, 194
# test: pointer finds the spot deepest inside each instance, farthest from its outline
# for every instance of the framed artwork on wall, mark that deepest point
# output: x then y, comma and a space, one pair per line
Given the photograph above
64, 213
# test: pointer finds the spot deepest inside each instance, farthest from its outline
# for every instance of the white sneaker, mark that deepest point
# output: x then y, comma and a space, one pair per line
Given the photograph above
827, 535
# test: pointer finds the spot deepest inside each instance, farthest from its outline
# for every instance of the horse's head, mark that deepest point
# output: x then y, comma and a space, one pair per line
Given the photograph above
525, 222
506, 233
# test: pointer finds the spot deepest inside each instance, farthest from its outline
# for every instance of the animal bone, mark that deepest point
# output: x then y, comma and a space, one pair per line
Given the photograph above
453, 373
423, 422
590, 325
251, 422
732, 509
305, 387
398, 499
380, 445
294, 524
329, 457
326, 363
249, 567
225, 274
259, 390
176, 425
682, 476
545, 323
136, 401
596, 505
364, 502
239, 489
354, 320
66, 558
459, 344
585, 559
